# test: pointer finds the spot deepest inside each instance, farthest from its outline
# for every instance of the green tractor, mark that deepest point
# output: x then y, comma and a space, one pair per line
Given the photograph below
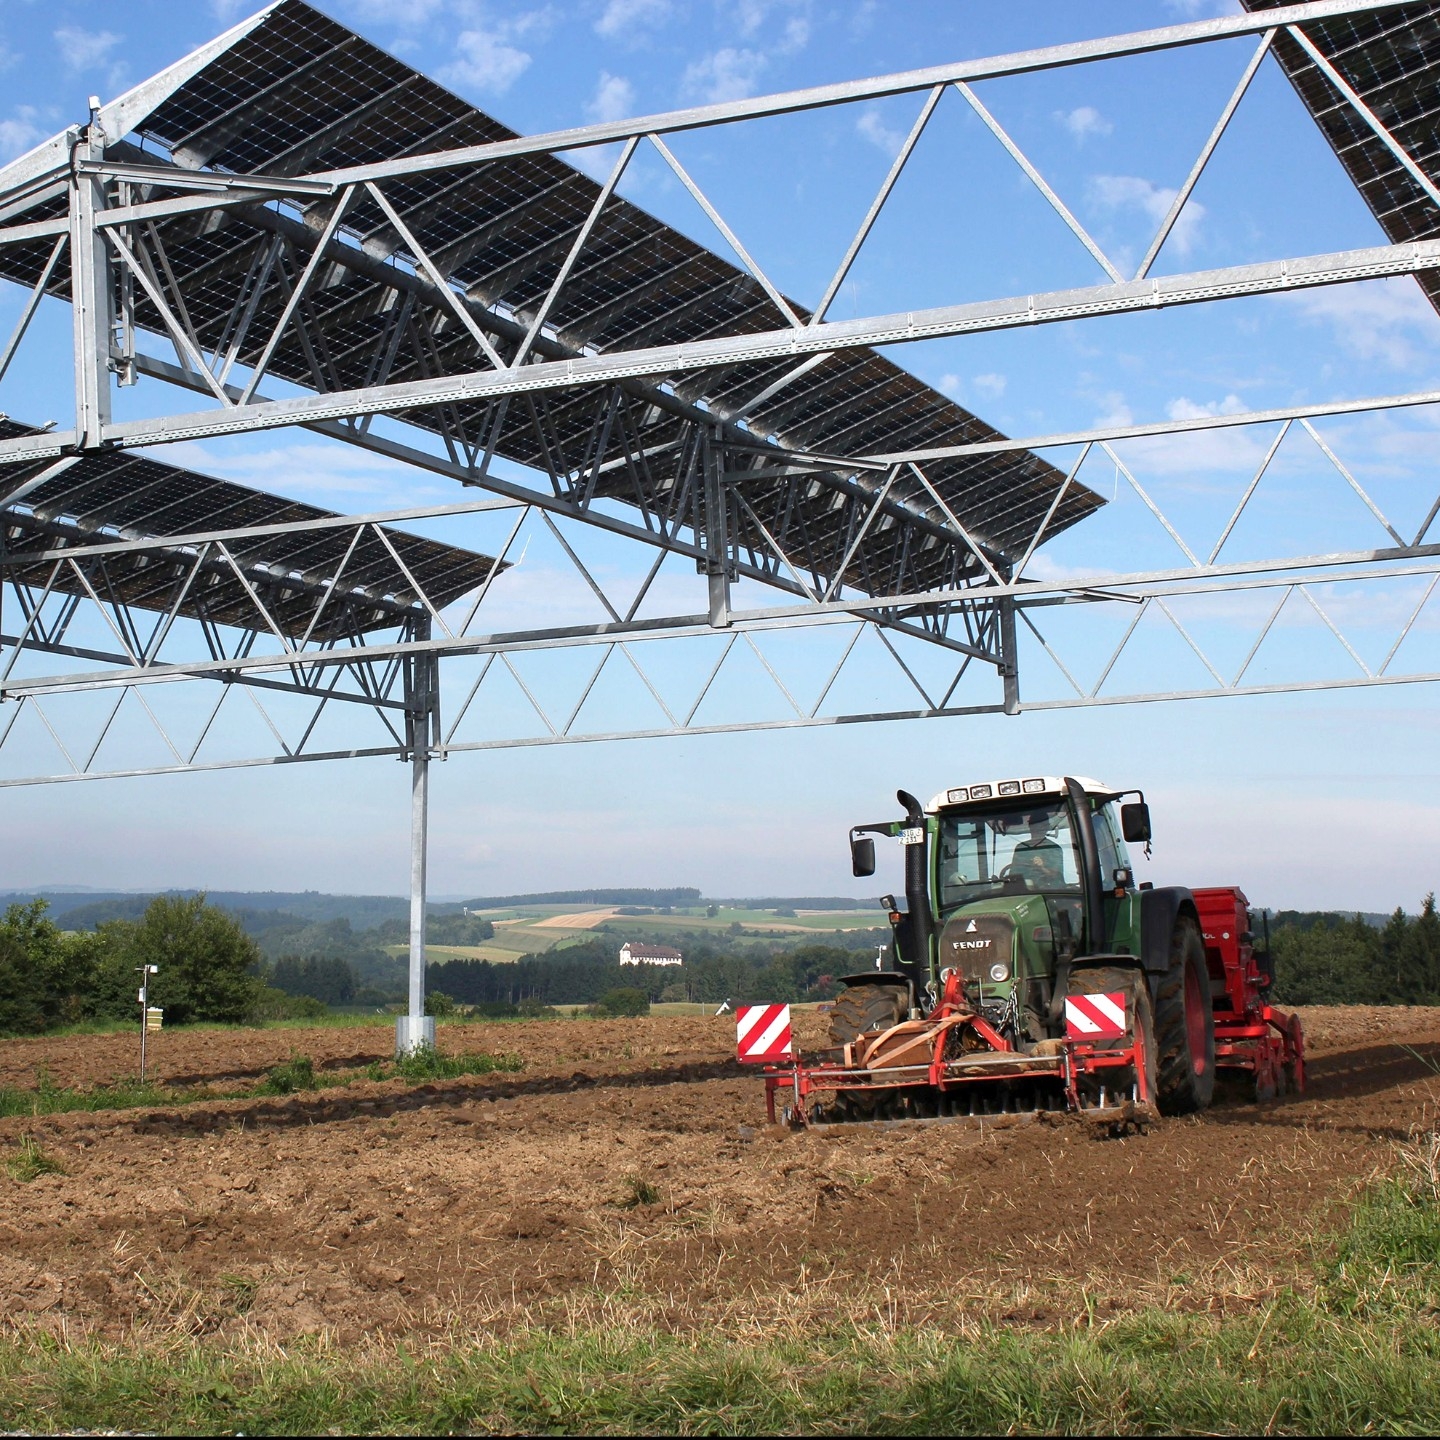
1030, 972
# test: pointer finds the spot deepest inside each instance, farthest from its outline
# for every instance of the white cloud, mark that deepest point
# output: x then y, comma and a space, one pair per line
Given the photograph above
488, 58
1084, 121
227, 11
1202, 9
1183, 408
727, 74
405, 13
747, 15
614, 98
1389, 321
84, 49
733, 73
1193, 453
1116, 412
7, 56
863, 17
321, 474
878, 133
992, 385
1131, 192
485, 62
623, 18
19, 133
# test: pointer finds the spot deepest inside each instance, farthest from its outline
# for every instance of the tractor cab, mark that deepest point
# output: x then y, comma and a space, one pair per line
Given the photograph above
1009, 889
1006, 883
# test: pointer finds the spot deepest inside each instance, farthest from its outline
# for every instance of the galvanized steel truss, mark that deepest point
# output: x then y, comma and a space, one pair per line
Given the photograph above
726, 427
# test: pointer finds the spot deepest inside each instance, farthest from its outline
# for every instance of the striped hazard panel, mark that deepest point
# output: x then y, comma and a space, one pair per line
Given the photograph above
762, 1032
1095, 1017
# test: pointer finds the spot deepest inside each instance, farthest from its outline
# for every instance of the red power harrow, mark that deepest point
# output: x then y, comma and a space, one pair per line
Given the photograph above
955, 1065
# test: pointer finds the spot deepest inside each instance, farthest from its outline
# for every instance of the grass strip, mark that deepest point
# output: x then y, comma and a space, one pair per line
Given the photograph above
1297, 1371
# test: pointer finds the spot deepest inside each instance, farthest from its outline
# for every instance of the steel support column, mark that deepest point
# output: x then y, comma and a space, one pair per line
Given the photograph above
717, 563
90, 288
1009, 665
415, 1030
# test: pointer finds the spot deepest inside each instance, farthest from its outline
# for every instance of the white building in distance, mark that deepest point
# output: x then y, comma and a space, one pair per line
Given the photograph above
632, 952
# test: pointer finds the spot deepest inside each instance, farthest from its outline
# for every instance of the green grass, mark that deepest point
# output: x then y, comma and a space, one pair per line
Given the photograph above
30, 1162
1287, 1369
47, 1098
296, 1073
427, 1063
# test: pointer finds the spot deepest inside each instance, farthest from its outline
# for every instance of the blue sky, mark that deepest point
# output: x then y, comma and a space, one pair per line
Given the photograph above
1310, 800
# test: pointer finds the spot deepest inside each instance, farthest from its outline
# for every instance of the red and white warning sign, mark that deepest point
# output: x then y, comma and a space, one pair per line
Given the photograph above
1095, 1017
762, 1032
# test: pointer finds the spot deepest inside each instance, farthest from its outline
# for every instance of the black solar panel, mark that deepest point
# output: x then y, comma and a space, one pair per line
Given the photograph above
299, 93
113, 495
1391, 59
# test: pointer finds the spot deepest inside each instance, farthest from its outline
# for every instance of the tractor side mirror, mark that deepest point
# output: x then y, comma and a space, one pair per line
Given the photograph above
1135, 822
862, 855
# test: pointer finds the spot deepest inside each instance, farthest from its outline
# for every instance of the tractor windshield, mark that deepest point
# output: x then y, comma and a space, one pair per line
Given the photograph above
1023, 850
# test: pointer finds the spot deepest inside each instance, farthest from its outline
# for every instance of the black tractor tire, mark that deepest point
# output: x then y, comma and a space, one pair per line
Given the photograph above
1185, 1024
1108, 980
864, 1009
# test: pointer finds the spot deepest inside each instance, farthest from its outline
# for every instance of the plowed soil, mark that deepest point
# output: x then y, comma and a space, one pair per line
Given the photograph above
626, 1175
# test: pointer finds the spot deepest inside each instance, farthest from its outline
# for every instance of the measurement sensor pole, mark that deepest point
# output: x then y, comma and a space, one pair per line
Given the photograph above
415, 1030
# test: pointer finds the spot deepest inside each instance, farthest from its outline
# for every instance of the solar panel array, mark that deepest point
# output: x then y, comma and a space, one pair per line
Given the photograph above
112, 495
300, 93
1391, 59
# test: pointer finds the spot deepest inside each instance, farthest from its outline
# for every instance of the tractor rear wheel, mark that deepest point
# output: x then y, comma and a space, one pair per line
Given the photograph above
1185, 1024
1112, 979
863, 1009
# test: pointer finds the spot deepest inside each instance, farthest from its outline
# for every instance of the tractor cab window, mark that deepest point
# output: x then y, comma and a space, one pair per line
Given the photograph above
1029, 849
1113, 854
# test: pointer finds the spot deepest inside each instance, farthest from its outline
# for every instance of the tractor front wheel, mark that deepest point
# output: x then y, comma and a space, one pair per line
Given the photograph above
864, 1009
1185, 1024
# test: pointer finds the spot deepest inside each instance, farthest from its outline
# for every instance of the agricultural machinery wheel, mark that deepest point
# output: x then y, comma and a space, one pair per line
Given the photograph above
863, 1009
1108, 980
1185, 1024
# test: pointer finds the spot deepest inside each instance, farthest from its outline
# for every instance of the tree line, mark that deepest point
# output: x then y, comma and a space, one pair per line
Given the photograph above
210, 969
584, 974
1325, 959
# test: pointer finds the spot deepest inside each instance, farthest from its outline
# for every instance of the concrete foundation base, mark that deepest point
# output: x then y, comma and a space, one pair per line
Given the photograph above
414, 1033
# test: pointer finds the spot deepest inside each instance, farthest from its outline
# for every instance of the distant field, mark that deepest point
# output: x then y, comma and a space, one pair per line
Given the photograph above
533, 929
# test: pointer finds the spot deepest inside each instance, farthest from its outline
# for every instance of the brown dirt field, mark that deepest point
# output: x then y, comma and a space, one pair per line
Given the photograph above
506, 1199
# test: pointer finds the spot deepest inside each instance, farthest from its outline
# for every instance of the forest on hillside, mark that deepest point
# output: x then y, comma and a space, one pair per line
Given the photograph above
256, 965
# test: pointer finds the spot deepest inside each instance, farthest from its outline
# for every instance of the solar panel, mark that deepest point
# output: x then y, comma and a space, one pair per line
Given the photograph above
113, 495
299, 93
1391, 59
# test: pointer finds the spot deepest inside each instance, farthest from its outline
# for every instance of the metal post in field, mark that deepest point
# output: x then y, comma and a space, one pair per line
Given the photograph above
145, 972
415, 1030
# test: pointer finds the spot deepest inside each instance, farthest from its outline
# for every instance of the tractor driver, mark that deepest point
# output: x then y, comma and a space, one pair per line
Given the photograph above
1038, 859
